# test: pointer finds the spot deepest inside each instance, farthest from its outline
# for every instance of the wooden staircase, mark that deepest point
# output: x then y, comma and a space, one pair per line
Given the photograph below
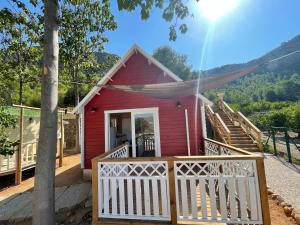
233, 128
239, 138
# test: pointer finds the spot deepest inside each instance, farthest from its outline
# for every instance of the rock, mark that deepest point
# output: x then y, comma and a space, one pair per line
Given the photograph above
288, 210
274, 197
270, 192
297, 218
279, 199
295, 211
88, 203
283, 204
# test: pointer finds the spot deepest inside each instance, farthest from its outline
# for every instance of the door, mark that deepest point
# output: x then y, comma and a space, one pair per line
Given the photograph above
145, 134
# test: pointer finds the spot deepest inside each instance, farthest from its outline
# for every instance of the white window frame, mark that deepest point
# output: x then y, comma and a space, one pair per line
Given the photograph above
134, 112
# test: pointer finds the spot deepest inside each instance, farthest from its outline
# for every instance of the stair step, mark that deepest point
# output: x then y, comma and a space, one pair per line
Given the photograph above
254, 149
238, 135
244, 145
241, 137
237, 142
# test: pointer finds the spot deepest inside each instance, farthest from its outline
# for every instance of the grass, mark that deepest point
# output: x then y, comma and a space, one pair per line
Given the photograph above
15, 111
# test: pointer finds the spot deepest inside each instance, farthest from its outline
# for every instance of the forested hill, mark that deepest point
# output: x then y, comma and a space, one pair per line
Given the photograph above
269, 96
289, 65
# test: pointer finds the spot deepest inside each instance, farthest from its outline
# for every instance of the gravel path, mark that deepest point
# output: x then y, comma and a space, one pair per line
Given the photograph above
284, 179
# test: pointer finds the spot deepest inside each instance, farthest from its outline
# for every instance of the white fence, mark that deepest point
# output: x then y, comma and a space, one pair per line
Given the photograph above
199, 189
213, 148
134, 190
218, 191
8, 163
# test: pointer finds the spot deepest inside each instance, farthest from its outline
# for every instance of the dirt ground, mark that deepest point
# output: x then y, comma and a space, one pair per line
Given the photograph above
69, 173
277, 215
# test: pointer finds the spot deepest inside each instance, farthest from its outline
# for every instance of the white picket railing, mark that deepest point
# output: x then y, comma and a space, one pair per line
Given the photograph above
8, 163
210, 188
213, 148
133, 190
218, 191
119, 152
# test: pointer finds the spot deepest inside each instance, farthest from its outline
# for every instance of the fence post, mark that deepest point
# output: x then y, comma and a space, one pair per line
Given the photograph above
61, 143
263, 191
274, 142
18, 174
288, 149
95, 190
172, 192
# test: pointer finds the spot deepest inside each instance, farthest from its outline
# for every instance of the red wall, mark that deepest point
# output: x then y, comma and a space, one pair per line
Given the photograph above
171, 119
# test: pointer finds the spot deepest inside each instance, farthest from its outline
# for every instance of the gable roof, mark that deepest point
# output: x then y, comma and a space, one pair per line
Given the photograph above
135, 48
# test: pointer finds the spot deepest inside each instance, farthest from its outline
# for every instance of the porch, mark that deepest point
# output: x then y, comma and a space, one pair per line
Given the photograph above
225, 186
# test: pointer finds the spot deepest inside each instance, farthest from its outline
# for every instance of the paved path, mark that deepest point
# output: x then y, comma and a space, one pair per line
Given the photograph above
284, 179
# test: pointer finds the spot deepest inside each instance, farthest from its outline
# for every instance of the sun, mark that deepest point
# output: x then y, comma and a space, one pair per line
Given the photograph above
215, 9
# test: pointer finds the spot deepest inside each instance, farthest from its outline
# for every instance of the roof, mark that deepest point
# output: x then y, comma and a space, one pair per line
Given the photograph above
135, 48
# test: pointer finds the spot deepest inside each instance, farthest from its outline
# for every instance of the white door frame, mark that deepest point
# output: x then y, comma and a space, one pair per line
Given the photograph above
134, 112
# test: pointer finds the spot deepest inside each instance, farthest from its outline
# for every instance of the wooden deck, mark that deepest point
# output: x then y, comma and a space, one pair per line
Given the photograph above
210, 189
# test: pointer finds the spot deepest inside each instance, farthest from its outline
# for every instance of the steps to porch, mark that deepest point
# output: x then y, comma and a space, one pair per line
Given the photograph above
233, 128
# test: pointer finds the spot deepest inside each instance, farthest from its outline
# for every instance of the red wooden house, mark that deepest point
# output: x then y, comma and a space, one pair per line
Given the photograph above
152, 126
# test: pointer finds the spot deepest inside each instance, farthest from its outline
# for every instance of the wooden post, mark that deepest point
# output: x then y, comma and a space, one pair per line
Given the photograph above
263, 191
95, 190
61, 144
18, 174
172, 192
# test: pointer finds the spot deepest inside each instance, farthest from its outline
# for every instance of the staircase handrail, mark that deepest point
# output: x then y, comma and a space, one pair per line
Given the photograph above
222, 129
210, 114
250, 128
227, 110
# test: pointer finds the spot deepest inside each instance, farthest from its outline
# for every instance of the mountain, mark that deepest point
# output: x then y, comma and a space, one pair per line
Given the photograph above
290, 64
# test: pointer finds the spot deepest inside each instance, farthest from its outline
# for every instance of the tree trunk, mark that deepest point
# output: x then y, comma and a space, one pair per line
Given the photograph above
21, 90
44, 193
77, 100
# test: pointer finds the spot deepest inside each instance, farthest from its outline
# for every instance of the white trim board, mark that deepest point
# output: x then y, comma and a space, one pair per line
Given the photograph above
134, 49
134, 112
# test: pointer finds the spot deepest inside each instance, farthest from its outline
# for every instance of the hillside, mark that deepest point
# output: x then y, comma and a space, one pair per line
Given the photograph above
286, 65
269, 96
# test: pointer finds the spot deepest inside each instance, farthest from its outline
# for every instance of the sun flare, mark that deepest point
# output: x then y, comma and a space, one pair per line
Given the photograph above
215, 9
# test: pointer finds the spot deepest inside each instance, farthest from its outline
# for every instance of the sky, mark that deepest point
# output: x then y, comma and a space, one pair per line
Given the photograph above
249, 30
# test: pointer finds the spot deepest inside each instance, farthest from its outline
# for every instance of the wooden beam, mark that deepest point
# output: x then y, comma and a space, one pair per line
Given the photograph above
95, 215
61, 143
172, 192
263, 191
187, 132
18, 174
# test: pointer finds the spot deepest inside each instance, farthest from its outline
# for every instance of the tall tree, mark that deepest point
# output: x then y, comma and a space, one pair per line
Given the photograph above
44, 192
82, 26
176, 62
19, 52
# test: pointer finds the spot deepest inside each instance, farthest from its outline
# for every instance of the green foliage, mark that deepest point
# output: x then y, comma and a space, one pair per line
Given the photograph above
82, 27
173, 11
19, 54
268, 99
6, 121
176, 62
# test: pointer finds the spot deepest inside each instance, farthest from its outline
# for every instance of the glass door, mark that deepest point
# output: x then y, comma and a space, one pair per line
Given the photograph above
145, 134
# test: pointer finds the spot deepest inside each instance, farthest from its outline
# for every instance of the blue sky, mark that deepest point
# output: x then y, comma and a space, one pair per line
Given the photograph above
250, 30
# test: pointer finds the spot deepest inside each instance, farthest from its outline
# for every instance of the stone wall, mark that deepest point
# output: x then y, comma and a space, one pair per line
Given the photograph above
70, 133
